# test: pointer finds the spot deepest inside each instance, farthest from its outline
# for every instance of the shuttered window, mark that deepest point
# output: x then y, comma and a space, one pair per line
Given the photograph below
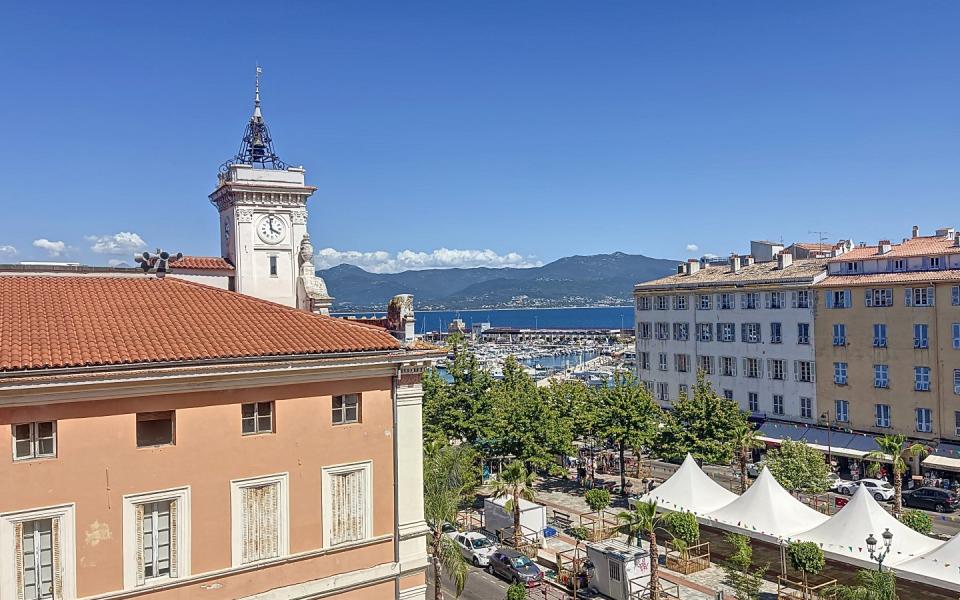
348, 497
37, 558
156, 530
260, 522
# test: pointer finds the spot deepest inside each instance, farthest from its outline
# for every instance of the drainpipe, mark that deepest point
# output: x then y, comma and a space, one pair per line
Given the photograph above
395, 384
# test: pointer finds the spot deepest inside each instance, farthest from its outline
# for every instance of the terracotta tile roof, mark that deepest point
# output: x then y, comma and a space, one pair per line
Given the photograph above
73, 321
918, 246
758, 273
947, 275
204, 263
814, 246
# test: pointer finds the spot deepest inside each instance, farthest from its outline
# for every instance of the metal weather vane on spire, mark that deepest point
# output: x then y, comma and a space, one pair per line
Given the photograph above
256, 148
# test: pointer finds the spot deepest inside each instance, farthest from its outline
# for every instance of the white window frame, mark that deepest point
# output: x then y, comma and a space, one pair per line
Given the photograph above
777, 300
879, 341
805, 340
705, 332
327, 501
882, 420
776, 332
662, 361
840, 373
34, 441
129, 515
839, 334
661, 302
236, 520
955, 328
924, 425
680, 302
644, 303
774, 362
753, 402
777, 410
921, 379
68, 549
802, 299
806, 407
725, 328
728, 366
877, 379
726, 301
843, 416
955, 295
256, 418
921, 341
705, 301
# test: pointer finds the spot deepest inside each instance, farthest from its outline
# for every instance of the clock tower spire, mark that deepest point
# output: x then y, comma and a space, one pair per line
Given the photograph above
263, 221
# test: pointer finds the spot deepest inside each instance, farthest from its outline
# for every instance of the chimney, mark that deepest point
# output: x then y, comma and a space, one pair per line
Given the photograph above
681, 269
747, 260
734, 263
945, 232
883, 247
784, 260
916, 231
693, 265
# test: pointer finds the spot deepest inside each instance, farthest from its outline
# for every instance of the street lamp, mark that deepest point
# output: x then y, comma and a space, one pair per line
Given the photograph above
882, 554
826, 416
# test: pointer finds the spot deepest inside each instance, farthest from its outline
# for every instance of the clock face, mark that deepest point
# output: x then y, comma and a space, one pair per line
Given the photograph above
272, 229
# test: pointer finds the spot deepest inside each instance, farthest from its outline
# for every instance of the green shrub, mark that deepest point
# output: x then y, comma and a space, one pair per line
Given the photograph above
917, 521
517, 591
597, 499
683, 527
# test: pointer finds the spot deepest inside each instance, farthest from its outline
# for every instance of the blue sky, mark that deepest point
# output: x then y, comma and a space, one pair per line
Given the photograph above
533, 130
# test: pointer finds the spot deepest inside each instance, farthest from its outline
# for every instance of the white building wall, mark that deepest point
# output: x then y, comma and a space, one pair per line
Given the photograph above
764, 386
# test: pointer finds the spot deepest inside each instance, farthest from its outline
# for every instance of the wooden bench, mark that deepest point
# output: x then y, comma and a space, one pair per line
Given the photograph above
562, 520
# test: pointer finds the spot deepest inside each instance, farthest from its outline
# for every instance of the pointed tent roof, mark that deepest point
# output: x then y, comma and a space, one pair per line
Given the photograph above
844, 535
766, 511
689, 489
939, 567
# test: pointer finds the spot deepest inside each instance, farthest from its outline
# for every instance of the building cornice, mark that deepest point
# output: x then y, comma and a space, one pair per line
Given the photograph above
75, 387
796, 282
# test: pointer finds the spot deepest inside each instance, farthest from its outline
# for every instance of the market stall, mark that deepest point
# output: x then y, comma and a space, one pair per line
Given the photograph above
689, 489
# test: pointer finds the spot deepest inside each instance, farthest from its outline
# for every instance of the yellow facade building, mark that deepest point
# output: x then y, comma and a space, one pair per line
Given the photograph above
888, 338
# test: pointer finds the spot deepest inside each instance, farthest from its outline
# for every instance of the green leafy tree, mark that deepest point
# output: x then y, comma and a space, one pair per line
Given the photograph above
745, 439
461, 410
597, 499
739, 570
895, 446
527, 426
516, 591
703, 424
644, 520
517, 484
871, 585
799, 467
918, 521
449, 482
579, 534
806, 557
576, 407
628, 417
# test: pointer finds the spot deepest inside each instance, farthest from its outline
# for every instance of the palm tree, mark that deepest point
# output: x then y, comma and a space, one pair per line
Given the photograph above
449, 480
744, 440
871, 585
893, 446
517, 483
643, 519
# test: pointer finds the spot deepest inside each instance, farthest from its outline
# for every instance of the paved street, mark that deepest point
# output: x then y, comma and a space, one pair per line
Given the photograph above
480, 586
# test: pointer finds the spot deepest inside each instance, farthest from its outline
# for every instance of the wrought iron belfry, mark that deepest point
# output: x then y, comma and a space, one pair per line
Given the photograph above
256, 149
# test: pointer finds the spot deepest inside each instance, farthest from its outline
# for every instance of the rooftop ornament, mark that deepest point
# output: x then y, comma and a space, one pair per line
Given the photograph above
256, 148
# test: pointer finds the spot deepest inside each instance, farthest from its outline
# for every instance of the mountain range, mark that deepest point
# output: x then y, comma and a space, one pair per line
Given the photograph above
597, 280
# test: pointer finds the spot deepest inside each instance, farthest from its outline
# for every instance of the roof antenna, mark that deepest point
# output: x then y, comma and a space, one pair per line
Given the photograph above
821, 236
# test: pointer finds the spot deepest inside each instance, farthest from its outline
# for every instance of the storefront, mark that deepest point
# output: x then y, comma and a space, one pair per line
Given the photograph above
844, 450
941, 468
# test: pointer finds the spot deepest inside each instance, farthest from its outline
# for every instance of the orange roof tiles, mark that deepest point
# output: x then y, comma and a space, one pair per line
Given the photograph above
72, 321
891, 278
918, 246
205, 263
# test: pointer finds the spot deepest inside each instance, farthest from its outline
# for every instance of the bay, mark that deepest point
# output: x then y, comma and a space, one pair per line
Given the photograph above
602, 317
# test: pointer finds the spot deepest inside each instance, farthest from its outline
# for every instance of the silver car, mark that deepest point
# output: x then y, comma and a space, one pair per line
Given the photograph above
475, 547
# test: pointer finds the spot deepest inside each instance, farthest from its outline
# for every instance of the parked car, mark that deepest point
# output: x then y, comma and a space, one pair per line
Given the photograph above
475, 547
753, 470
880, 489
449, 529
833, 481
847, 488
932, 499
514, 567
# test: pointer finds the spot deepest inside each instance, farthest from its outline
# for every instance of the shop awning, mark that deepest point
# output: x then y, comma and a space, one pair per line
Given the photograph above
935, 461
835, 442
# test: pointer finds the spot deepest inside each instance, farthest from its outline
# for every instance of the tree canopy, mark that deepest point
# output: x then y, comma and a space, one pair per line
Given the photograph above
797, 466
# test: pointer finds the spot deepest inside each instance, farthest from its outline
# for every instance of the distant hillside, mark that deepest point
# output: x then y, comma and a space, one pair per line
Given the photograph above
602, 279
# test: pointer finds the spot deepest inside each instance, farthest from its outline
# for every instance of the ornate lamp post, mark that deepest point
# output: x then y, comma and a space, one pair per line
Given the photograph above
879, 555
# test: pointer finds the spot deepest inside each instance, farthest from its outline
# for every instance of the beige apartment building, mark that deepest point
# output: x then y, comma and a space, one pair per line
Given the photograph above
888, 338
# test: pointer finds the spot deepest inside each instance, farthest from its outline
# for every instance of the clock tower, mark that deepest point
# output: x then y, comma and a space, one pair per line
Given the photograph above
263, 222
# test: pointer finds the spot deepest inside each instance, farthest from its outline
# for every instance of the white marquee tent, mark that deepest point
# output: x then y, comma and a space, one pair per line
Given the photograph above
765, 511
689, 489
940, 567
843, 536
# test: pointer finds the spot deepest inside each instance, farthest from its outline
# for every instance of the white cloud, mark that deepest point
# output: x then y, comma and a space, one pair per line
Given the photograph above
692, 247
380, 261
7, 250
124, 242
53, 248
